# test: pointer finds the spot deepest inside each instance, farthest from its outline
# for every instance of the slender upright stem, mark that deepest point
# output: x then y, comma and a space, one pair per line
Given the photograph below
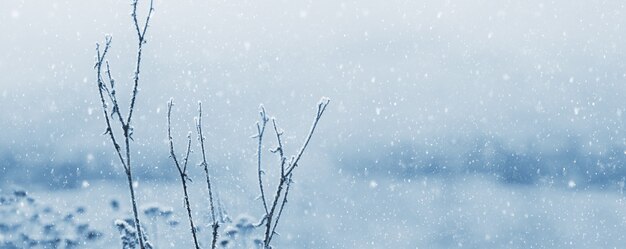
282, 206
279, 149
126, 162
205, 165
134, 204
268, 222
193, 228
260, 131
182, 170
125, 124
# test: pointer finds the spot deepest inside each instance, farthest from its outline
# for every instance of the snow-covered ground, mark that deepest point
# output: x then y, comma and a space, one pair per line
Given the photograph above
348, 212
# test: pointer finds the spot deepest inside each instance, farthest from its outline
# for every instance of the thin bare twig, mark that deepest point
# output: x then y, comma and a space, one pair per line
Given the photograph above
260, 127
279, 149
126, 163
125, 124
282, 206
100, 56
112, 96
270, 226
128, 130
284, 178
182, 170
205, 165
141, 32
286, 175
141, 41
321, 107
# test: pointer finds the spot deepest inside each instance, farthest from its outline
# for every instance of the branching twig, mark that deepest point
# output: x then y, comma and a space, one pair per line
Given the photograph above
125, 124
286, 171
141, 32
141, 40
101, 86
205, 165
182, 170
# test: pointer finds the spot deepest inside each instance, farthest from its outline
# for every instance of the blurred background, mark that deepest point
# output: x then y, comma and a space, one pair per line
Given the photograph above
452, 123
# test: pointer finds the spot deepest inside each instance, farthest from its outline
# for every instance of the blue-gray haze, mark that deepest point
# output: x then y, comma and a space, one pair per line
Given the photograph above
522, 94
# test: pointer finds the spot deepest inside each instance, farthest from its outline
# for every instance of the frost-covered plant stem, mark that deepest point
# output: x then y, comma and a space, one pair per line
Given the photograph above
182, 169
205, 165
260, 127
274, 212
125, 124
